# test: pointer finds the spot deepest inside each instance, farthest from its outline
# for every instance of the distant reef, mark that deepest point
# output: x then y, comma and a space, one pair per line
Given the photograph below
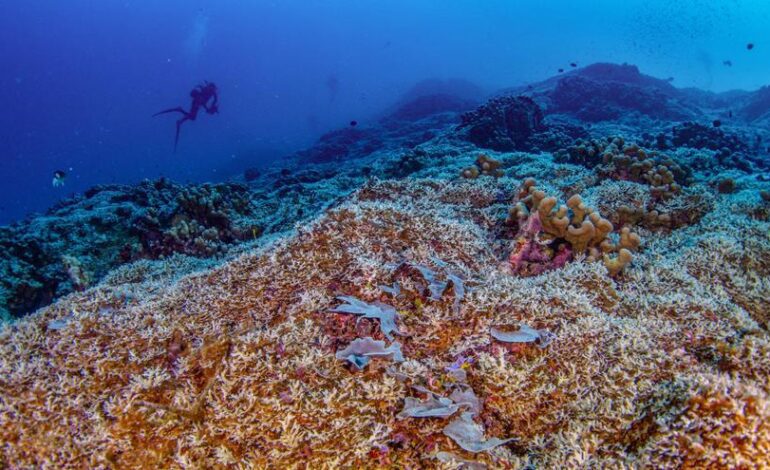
573, 273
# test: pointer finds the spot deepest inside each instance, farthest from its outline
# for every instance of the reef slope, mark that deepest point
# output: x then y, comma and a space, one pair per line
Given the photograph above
664, 366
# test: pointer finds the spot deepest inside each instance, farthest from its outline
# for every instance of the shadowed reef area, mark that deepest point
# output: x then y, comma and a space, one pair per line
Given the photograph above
570, 273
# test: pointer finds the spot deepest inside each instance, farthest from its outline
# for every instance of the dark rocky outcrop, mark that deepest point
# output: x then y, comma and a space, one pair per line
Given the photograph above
428, 105
592, 101
505, 123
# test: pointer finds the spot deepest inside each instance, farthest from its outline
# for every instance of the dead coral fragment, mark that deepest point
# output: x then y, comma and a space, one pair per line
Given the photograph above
525, 334
466, 396
385, 313
394, 290
435, 406
470, 436
431, 407
361, 350
437, 287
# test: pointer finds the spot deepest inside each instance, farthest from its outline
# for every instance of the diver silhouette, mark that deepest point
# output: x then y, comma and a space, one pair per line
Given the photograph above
205, 96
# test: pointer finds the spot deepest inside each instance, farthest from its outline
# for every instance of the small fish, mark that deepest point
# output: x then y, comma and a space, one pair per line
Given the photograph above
730, 113
573, 64
728, 63
750, 46
353, 123
58, 178
561, 70
716, 123
670, 79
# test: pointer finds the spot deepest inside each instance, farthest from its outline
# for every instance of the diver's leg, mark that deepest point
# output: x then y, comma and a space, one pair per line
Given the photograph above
178, 109
179, 127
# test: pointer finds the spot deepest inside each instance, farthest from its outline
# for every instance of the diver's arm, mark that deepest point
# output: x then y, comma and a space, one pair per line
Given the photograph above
214, 106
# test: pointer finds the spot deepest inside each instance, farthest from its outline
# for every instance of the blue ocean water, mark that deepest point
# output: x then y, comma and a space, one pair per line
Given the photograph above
81, 79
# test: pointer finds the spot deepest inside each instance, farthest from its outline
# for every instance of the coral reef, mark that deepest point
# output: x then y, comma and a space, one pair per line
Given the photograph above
362, 313
112, 225
692, 134
593, 101
248, 351
604, 92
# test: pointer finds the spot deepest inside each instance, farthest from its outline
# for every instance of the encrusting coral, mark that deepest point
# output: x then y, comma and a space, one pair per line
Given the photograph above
548, 237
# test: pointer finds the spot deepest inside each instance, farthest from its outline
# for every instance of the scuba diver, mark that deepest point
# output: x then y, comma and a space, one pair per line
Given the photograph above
58, 178
203, 96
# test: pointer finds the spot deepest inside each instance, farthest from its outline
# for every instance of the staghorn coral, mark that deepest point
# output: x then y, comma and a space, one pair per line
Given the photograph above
235, 364
696, 438
572, 229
